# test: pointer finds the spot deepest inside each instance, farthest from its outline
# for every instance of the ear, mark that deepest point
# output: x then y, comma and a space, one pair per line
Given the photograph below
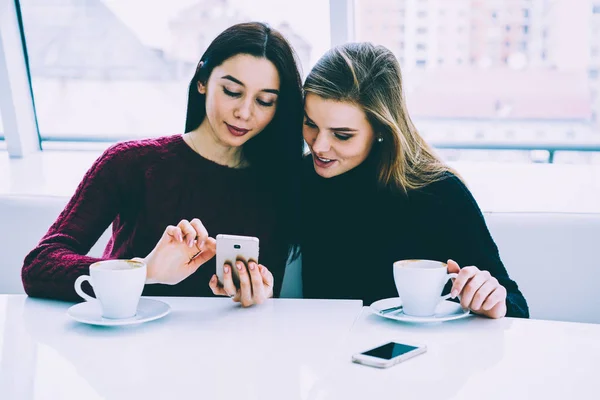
201, 88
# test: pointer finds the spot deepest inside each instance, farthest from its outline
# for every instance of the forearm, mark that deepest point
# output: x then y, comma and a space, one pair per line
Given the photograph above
51, 272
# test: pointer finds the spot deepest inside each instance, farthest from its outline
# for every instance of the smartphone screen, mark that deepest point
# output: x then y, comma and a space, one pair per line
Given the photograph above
389, 350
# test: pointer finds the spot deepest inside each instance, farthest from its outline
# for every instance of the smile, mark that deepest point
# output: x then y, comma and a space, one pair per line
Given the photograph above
322, 162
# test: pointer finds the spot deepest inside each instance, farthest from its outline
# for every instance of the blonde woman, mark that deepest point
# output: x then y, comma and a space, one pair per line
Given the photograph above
375, 193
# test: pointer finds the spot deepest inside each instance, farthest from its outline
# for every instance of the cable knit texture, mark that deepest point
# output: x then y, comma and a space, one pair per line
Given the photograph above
141, 187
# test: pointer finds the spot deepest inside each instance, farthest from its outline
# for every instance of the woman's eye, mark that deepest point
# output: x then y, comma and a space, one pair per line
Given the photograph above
309, 124
341, 137
264, 103
230, 93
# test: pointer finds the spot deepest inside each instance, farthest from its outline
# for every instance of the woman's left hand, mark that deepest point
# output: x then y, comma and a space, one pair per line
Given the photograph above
479, 291
256, 284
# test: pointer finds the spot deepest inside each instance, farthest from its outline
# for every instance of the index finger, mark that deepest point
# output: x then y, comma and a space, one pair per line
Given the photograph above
201, 232
216, 288
461, 280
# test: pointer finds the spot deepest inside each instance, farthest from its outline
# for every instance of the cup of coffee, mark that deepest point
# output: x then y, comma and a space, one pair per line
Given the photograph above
420, 284
118, 285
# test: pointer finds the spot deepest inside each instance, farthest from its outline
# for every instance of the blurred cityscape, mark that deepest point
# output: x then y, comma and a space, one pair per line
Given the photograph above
495, 70
475, 71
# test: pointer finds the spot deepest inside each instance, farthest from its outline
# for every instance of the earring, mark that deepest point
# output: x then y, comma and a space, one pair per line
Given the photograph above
380, 139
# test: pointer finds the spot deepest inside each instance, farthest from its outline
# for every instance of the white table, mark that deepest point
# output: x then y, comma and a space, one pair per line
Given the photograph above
472, 358
287, 349
205, 348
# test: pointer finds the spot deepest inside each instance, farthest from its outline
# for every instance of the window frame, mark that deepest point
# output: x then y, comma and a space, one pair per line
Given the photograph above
21, 132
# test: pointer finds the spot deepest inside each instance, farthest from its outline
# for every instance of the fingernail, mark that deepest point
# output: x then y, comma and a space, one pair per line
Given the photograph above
239, 265
252, 265
226, 269
453, 294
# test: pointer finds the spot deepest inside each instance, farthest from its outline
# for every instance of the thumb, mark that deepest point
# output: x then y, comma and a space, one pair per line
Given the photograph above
453, 267
208, 251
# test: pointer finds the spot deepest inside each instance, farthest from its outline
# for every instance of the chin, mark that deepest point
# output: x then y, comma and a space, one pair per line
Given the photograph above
326, 173
234, 141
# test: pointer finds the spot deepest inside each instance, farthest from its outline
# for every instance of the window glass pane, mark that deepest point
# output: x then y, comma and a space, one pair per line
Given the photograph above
120, 68
1, 127
495, 72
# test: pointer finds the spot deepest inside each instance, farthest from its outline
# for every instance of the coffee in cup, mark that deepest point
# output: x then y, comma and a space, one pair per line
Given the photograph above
420, 284
118, 286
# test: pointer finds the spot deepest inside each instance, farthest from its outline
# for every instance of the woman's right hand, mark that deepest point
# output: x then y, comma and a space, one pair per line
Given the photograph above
181, 250
256, 283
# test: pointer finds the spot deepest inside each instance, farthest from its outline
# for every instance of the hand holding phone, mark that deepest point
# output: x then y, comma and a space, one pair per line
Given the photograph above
388, 354
231, 248
252, 283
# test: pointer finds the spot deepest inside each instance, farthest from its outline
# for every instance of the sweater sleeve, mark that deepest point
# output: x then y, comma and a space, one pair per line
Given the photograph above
467, 239
51, 268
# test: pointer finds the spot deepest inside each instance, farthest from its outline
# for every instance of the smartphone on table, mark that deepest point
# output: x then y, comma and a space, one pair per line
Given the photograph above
231, 248
388, 354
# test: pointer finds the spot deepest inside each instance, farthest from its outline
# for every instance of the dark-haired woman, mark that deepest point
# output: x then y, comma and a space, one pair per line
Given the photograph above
234, 171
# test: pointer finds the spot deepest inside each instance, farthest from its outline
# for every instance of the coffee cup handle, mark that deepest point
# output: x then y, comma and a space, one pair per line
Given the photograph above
450, 276
78, 289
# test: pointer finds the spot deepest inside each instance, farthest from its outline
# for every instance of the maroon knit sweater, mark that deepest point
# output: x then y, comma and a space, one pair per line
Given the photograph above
141, 187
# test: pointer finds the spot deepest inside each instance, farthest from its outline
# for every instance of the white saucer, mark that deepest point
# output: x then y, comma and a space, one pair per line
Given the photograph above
445, 311
89, 312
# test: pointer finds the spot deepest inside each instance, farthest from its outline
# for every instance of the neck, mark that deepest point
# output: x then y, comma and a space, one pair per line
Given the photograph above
205, 142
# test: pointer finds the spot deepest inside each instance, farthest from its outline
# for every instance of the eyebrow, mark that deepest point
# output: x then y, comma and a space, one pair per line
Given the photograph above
234, 80
340, 129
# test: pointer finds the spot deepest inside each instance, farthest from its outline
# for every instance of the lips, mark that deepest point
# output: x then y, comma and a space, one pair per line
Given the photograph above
236, 131
322, 162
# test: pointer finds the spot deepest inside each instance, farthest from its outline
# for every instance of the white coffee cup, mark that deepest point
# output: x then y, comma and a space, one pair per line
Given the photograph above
420, 284
118, 285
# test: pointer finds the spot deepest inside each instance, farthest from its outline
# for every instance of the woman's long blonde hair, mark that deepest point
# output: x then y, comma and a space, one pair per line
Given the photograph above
369, 77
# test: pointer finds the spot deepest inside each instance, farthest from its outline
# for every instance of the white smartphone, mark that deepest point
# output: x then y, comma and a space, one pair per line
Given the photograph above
231, 248
388, 354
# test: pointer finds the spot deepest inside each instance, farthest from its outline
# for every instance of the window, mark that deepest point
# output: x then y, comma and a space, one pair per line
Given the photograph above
101, 69
1, 128
492, 66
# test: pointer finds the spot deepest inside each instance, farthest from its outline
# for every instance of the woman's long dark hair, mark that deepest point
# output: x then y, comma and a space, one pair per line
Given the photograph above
276, 152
